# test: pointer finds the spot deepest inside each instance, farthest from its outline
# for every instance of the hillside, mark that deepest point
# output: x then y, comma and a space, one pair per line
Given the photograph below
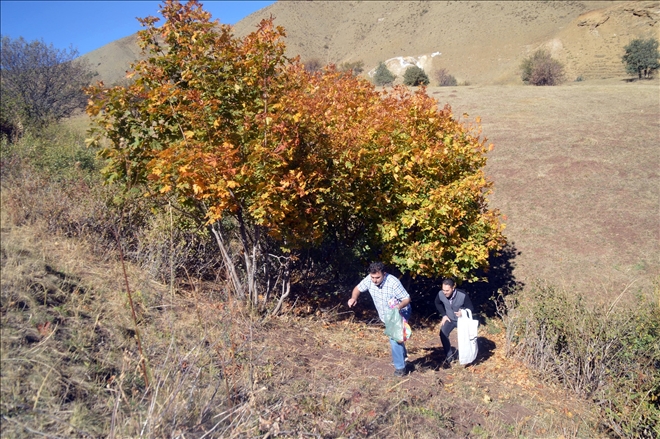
71, 367
478, 42
101, 343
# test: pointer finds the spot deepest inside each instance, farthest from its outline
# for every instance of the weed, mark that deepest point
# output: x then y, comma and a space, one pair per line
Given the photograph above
594, 349
444, 79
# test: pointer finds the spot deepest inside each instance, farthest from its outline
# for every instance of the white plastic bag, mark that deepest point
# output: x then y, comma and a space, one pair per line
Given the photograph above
467, 337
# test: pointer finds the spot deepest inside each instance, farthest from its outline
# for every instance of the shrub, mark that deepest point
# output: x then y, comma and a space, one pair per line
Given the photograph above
415, 76
641, 57
313, 65
40, 83
608, 352
541, 69
445, 79
383, 75
355, 67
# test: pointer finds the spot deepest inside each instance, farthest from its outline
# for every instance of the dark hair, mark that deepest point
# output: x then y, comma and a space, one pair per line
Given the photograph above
376, 267
449, 282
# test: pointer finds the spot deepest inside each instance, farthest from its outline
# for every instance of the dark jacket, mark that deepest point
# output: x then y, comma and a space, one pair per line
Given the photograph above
462, 300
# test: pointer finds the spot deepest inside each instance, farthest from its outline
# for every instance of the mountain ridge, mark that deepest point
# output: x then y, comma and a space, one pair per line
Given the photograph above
479, 42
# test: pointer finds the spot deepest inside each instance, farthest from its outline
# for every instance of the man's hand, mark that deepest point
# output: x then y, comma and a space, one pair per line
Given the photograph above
403, 303
444, 319
354, 297
459, 313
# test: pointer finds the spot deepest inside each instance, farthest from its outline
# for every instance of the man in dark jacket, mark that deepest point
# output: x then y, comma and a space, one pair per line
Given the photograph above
449, 302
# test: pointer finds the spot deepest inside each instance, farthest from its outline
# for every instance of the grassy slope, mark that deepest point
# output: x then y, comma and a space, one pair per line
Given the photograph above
70, 367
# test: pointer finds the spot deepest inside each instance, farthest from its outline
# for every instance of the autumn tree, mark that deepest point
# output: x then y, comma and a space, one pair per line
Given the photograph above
255, 145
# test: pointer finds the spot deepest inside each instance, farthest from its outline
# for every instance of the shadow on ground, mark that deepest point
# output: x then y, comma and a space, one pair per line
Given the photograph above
434, 357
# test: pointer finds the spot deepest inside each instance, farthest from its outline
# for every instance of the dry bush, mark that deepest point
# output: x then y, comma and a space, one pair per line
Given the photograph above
444, 79
71, 366
607, 352
541, 69
313, 65
54, 177
354, 67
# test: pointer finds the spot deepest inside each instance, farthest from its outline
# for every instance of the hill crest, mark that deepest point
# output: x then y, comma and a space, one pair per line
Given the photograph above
479, 42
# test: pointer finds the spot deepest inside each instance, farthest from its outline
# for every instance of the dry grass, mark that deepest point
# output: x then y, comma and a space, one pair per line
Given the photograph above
70, 367
576, 174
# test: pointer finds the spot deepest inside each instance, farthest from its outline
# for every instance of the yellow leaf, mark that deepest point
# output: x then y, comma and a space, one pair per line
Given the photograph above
232, 184
165, 189
188, 134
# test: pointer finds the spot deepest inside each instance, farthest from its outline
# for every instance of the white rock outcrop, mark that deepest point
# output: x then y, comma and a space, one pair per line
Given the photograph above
399, 64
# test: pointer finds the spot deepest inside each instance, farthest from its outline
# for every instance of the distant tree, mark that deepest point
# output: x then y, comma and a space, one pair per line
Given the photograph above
40, 83
641, 57
383, 75
313, 65
445, 79
541, 69
415, 76
355, 67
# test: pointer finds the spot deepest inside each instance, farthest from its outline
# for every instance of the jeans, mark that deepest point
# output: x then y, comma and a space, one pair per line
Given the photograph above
444, 335
399, 352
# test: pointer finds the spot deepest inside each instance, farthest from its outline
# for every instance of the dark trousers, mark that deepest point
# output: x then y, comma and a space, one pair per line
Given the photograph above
444, 335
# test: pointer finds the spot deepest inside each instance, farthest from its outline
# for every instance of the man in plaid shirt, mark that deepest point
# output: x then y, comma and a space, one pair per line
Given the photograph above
383, 287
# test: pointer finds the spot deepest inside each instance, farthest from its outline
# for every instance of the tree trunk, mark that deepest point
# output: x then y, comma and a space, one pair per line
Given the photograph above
229, 264
286, 287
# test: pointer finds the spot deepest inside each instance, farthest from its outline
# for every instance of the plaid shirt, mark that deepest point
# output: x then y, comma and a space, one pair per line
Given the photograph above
390, 287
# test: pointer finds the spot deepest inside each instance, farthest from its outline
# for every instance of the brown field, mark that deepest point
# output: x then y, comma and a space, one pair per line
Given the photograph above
576, 174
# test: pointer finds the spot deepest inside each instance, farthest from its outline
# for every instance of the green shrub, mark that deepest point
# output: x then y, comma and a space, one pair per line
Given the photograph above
607, 352
383, 75
415, 76
445, 79
541, 69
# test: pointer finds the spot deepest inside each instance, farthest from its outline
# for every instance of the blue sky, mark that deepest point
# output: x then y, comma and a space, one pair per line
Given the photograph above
88, 25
